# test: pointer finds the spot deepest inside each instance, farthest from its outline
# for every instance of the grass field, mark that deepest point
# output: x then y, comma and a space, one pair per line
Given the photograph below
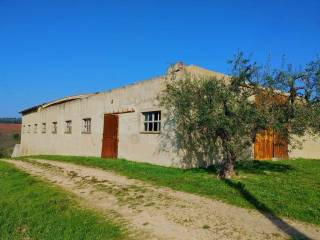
8, 138
32, 209
288, 188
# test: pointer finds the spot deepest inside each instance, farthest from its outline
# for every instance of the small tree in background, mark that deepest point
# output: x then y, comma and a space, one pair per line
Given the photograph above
16, 136
216, 120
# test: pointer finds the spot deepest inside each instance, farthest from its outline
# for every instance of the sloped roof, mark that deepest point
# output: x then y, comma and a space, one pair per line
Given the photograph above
55, 102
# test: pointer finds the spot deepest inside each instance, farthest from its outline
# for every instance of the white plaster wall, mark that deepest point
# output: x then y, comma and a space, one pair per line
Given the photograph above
309, 148
133, 144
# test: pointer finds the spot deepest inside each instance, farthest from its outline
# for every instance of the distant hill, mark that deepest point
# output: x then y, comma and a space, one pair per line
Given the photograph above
9, 136
10, 120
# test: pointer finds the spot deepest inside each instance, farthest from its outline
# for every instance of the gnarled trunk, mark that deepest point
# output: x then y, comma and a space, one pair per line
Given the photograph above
227, 170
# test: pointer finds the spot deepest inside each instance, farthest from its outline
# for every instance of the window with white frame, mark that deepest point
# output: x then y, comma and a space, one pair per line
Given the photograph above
68, 128
54, 127
86, 125
35, 129
152, 122
44, 128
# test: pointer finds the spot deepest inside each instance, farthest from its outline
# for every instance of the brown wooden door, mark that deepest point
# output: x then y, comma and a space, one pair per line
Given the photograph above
280, 147
263, 146
270, 145
110, 136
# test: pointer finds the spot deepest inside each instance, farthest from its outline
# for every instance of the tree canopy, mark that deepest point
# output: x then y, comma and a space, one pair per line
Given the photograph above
214, 120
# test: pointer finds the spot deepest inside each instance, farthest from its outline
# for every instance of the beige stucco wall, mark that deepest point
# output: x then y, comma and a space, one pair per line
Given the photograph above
133, 144
306, 147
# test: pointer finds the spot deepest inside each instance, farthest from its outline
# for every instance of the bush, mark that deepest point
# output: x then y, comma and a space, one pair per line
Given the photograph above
16, 136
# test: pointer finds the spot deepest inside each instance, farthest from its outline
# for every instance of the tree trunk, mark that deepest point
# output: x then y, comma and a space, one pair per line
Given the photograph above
227, 170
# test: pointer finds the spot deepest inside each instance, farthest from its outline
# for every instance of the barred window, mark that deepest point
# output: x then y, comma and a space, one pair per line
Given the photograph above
152, 121
68, 129
44, 128
54, 127
86, 125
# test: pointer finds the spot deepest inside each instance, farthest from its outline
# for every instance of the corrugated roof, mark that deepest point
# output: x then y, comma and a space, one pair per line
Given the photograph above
55, 102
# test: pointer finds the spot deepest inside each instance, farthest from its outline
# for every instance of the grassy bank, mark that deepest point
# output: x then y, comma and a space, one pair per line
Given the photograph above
288, 188
32, 209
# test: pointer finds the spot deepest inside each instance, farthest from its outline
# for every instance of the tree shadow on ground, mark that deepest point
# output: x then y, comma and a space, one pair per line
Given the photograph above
255, 167
261, 167
266, 211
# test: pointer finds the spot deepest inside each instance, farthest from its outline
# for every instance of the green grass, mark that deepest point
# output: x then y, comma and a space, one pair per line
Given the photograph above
287, 188
33, 209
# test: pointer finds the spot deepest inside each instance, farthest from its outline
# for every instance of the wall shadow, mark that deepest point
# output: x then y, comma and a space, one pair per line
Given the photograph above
266, 211
188, 151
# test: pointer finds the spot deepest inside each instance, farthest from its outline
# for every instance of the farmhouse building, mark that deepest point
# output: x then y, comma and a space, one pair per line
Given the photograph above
122, 123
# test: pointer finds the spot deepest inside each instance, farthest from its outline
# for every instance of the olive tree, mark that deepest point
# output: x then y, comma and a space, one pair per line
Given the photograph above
215, 120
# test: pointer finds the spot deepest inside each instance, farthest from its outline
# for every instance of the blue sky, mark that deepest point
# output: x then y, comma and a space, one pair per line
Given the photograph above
51, 49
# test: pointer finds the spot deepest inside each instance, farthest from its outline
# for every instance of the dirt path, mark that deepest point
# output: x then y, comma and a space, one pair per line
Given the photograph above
161, 213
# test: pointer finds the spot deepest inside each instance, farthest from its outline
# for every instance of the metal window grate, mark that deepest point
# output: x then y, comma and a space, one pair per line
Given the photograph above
68, 126
87, 125
44, 128
54, 127
152, 121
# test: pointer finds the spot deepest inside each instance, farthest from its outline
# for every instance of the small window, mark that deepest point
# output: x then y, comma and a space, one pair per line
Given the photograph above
44, 128
24, 129
86, 125
152, 122
29, 128
35, 128
54, 127
68, 129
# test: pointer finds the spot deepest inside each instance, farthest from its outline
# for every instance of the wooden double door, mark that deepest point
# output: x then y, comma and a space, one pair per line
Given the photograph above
270, 145
110, 136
